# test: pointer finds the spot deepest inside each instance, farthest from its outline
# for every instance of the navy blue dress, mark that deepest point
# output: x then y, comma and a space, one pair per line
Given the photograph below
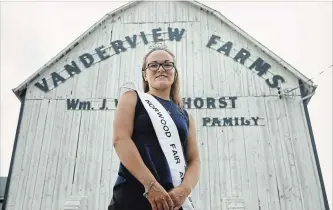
127, 191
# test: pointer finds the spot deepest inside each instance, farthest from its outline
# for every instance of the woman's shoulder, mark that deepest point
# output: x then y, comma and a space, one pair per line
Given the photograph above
132, 99
128, 92
129, 97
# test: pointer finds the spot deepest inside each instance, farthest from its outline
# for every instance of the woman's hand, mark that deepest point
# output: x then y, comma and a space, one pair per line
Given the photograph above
178, 195
159, 199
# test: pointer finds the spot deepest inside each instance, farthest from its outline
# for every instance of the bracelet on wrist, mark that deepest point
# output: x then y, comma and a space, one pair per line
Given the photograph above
145, 194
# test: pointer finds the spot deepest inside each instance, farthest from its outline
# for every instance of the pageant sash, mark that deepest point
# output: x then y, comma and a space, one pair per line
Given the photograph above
168, 137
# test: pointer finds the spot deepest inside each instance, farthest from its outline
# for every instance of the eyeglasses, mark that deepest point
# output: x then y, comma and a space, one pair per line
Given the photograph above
167, 66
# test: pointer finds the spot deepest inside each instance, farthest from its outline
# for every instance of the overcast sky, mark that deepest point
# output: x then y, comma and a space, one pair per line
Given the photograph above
33, 32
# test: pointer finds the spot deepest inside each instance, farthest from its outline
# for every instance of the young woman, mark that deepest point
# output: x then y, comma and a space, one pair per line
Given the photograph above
143, 169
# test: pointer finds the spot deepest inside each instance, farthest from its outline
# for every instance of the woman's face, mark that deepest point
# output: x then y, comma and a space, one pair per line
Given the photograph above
160, 71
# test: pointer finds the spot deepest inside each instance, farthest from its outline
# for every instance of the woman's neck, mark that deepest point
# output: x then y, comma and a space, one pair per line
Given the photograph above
165, 94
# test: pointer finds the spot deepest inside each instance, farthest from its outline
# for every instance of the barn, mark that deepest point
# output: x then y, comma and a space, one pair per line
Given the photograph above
255, 138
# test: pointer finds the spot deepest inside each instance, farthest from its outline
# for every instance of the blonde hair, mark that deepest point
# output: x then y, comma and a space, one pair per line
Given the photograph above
175, 87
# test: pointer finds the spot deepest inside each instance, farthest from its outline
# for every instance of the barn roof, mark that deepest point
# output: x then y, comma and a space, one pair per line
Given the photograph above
18, 90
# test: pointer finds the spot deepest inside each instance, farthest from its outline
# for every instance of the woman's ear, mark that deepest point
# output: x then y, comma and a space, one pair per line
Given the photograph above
144, 75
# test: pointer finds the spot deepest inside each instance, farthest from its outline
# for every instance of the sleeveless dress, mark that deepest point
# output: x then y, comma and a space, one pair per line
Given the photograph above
127, 191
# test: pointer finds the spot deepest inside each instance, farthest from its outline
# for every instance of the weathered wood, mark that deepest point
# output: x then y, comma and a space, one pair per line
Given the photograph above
65, 157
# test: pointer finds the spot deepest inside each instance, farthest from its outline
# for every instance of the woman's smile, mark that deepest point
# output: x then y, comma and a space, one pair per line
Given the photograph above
161, 76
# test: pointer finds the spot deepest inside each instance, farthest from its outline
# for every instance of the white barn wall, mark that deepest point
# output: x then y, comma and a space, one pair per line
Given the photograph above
62, 153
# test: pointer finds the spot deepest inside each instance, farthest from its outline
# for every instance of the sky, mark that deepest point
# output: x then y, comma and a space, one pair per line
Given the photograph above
33, 32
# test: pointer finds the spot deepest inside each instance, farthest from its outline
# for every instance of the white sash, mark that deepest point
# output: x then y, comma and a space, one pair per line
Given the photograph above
168, 138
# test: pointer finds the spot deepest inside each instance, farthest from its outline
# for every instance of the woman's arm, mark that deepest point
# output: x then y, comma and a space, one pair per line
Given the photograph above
192, 174
122, 142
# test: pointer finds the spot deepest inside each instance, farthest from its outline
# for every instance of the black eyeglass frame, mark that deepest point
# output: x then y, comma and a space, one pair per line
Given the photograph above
161, 64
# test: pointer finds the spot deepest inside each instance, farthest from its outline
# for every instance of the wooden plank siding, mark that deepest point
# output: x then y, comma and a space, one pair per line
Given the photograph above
65, 153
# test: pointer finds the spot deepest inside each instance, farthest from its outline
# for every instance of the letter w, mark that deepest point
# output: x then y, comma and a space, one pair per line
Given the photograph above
175, 34
72, 103
160, 115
